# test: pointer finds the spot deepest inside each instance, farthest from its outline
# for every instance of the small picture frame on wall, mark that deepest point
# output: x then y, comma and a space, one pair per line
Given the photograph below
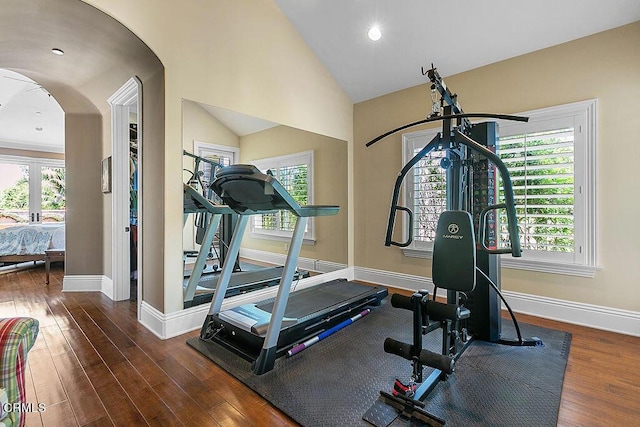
106, 175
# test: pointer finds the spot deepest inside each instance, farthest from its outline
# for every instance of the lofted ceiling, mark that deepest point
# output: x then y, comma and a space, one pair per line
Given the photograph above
454, 35
30, 118
238, 123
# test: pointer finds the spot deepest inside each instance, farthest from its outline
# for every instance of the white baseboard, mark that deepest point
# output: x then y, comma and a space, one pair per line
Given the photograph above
593, 316
83, 283
316, 265
87, 283
107, 287
171, 325
390, 278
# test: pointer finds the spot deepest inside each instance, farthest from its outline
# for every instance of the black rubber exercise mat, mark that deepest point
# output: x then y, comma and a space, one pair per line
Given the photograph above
334, 382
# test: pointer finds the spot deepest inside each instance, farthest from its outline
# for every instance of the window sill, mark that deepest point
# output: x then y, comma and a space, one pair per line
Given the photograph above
525, 264
550, 267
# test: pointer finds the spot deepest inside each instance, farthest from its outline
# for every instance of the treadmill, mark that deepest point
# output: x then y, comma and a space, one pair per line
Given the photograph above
198, 287
263, 331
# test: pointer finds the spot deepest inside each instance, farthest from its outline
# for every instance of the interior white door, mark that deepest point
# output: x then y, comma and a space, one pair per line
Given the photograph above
125, 104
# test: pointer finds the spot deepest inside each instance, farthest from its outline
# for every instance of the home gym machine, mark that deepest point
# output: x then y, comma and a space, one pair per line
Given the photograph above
198, 200
468, 268
212, 217
262, 331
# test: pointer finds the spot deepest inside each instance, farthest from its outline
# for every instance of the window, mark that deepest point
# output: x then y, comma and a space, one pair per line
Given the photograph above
32, 191
425, 189
295, 173
551, 160
224, 155
543, 176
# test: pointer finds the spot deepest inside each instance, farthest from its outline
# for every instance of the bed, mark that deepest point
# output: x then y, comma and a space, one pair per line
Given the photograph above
22, 243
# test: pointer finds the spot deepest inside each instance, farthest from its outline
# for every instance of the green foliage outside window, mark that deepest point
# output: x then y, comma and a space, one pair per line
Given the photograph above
542, 171
430, 194
16, 197
294, 180
14, 200
53, 190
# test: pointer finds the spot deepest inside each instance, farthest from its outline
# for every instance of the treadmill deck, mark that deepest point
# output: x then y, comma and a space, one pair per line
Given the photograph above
309, 311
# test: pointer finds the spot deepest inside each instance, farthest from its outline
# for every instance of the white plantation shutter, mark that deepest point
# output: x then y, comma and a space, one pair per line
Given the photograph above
429, 195
295, 173
542, 169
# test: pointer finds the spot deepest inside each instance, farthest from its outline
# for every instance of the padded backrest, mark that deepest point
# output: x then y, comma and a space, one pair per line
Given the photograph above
454, 252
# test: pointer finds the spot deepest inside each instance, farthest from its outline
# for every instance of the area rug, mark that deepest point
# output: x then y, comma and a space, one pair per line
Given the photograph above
334, 382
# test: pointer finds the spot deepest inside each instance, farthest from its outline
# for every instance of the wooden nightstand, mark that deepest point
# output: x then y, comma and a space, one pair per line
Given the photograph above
51, 255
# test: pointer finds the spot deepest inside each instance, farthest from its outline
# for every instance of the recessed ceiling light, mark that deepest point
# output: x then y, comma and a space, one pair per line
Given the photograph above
374, 33
57, 51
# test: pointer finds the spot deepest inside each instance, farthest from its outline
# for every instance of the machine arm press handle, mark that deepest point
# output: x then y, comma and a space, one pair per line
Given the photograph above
509, 203
388, 241
483, 230
396, 194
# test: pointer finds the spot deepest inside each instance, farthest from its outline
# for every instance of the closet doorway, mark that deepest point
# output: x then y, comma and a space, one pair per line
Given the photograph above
126, 152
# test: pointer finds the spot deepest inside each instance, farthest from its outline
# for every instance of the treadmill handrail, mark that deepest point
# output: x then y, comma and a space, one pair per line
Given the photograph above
202, 159
206, 203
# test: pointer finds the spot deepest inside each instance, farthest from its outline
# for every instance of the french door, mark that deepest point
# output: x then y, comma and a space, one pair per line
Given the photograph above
32, 191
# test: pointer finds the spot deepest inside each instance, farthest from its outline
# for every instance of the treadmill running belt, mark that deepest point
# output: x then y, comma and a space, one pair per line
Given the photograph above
243, 278
311, 300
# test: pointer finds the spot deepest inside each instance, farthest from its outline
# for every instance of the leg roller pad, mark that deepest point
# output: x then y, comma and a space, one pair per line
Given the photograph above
439, 361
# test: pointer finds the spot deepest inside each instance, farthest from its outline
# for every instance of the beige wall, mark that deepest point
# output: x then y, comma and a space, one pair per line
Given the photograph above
330, 186
199, 125
84, 210
605, 66
242, 55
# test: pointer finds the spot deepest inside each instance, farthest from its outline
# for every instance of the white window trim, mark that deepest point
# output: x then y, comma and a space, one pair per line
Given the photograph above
586, 158
203, 149
24, 160
305, 157
199, 146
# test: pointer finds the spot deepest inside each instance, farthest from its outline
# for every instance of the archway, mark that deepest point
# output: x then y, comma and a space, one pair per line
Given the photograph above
100, 55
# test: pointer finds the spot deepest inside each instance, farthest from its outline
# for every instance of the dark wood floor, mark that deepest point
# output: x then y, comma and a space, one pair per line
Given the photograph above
93, 364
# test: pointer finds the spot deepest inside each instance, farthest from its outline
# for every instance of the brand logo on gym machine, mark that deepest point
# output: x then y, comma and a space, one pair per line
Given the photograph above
453, 229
